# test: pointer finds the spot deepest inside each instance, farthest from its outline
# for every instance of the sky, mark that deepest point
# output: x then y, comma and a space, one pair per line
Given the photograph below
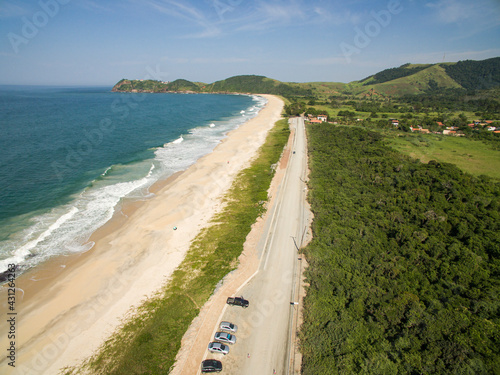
91, 42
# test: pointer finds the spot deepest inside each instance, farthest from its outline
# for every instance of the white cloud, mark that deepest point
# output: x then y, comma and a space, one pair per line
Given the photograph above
336, 17
92, 5
186, 12
457, 11
11, 10
264, 15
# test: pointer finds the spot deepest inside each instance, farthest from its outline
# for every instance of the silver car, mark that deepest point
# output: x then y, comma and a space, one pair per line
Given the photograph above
217, 347
225, 337
228, 326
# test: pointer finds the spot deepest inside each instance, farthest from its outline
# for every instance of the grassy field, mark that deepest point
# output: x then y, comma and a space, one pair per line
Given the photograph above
471, 156
148, 343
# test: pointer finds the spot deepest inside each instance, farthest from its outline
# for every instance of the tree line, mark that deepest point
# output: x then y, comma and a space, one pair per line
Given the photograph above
404, 268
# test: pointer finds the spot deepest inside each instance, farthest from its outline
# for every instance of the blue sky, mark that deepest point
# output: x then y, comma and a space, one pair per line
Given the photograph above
91, 42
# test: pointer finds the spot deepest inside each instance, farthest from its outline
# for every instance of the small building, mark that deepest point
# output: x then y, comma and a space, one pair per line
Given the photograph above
316, 121
440, 123
323, 118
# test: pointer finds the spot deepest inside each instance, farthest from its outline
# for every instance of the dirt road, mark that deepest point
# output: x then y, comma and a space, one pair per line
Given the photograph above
264, 334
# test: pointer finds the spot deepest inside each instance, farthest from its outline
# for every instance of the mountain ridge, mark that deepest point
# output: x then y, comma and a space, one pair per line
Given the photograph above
408, 79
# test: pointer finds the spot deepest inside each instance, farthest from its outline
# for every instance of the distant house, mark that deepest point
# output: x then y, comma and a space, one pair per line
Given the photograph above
440, 123
489, 122
323, 118
424, 131
449, 132
395, 122
491, 128
496, 131
471, 125
316, 121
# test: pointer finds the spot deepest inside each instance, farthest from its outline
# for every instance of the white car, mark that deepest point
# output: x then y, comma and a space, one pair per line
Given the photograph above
225, 337
228, 326
217, 347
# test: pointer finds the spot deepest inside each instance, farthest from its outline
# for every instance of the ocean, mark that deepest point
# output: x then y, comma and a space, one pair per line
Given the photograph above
69, 157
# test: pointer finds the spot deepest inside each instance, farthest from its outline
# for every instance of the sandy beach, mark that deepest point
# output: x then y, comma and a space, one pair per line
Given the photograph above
72, 304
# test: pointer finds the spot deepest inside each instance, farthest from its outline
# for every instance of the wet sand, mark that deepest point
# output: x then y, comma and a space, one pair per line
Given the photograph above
72, 304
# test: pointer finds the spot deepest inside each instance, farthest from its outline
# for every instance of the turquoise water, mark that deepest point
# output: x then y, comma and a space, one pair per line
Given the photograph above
69, 156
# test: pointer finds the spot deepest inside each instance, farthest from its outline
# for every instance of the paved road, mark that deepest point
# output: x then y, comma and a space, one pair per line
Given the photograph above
263, 338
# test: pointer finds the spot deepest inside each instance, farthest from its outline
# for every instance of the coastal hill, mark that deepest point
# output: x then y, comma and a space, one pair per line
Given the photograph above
249, 84
408, 79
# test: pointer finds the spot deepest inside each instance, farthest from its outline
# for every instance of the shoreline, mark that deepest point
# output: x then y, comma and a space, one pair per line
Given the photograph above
78, 300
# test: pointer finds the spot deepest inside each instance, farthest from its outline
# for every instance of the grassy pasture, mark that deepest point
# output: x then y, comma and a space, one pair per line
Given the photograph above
471, 156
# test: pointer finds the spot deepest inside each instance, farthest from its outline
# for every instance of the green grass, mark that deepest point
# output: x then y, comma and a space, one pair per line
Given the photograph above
149, 342
471, 156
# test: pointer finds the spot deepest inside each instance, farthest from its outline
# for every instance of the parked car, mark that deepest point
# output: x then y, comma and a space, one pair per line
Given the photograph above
211, 365
228, 326
237, 301
225, 337
217, 347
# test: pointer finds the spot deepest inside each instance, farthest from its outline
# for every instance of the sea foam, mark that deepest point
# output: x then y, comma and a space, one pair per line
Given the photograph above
66, 229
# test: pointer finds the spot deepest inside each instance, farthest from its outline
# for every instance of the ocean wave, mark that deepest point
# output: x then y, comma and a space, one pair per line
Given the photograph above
25, 251
66, 229
103, 174
178, 140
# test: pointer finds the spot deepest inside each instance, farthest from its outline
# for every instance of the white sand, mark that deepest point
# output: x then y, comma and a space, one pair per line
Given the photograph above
65, 319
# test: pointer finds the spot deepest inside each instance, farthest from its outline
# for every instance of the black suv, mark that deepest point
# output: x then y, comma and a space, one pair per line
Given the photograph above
211, 365
237, 301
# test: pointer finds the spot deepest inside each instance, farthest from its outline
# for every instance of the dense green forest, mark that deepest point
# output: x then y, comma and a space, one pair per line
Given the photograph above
454, 100
404, 267
393, 73
258, 85
476, 75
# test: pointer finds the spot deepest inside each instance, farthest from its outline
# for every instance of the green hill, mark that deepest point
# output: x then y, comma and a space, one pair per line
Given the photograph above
408, 79
393, 73
179, 85
183, 85
476, 75
418, 82
257, 85
240, 84
417, 79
